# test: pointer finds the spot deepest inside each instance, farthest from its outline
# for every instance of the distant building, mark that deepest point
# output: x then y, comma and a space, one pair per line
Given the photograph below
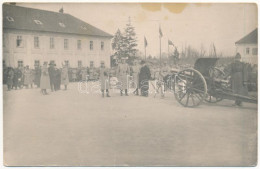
32, 36
248, 47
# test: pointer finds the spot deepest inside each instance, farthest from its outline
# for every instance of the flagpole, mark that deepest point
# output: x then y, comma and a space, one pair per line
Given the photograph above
168, 49
160, 52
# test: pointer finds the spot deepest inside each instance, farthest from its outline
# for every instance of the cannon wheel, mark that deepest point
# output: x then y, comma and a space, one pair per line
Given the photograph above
190, 88
214, 73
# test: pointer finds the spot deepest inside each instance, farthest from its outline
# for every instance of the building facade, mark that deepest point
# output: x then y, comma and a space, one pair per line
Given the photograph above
248, 47
32, 36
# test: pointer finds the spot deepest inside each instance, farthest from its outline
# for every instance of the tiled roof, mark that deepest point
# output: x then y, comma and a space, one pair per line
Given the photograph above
16, 17
251, 38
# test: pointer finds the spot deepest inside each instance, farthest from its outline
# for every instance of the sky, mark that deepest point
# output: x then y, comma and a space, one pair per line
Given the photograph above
198, 25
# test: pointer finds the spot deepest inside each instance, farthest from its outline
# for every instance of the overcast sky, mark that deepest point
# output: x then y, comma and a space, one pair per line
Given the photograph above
190, 24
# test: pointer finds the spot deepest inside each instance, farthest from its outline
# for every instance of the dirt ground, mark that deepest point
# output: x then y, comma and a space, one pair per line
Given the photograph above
69, 128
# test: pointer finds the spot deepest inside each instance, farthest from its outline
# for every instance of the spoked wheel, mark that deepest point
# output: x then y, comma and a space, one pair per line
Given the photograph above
214, 73
190, 88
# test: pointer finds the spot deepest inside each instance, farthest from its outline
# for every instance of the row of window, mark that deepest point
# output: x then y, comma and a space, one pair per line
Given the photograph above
19, 43
37, 63
254, 51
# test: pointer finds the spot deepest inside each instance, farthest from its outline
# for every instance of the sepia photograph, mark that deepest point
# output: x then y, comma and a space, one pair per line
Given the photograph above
138, 84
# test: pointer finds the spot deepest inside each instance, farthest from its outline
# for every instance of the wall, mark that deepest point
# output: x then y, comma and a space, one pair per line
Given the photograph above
249, 58
28, 54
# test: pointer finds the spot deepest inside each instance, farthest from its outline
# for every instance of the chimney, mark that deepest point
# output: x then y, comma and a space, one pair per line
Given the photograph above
61, 10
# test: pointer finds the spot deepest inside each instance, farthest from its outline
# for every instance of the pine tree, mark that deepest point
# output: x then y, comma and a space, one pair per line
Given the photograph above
130, 40
118, 44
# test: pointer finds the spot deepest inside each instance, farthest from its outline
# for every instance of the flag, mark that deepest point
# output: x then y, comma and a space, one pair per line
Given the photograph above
170, 43
145, 42
160, 32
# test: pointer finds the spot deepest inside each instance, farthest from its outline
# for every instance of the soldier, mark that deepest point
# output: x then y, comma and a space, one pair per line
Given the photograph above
45, 79
28, 77
238, 78
144, 78
64, 76
164, 71
51, 74
83, 74
17, 78
37, 77
135, 72
123, 71
104, 79
10, 77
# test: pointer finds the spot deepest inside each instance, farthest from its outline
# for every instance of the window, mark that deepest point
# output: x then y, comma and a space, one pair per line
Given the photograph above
36, 63
67, 63
91, 45
10, 19
79, 44
4, 65
62, 25
254, 51
66, 43
20, 63
19, 41
247, 51
84, 27
51, 43
38, 22
91, 64
36, 42
102, 45
79, 63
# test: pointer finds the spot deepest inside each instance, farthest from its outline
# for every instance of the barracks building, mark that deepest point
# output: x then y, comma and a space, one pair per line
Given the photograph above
33, 36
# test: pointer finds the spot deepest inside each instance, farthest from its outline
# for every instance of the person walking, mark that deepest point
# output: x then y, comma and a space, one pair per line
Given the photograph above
45, 79
104, 79
64, 76
123, 72
144, 78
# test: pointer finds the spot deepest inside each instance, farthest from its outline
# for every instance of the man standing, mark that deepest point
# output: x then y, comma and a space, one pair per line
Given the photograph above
163, 78
45, 79
144, 78
10, 77
51, 71
37, 77
28, 77
64, 76
239, 78
135, 72
123, 71
104, 79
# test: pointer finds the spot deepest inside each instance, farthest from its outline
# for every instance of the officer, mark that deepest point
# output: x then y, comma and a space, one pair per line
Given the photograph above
135, 72
123, 72
104, 79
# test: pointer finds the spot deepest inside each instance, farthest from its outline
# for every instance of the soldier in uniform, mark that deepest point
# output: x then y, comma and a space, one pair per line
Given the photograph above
83, 74
28, 77
64, 76
17, 78
51, 71
45, 79
37, 77
104, 79
135, 72
238, 78
10, 77
144, 78
123, 72
164, 71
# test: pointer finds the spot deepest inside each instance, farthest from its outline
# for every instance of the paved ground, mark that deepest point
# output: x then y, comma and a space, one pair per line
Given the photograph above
68, 128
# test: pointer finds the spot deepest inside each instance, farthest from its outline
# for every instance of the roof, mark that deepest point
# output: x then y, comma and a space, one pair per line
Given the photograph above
251, 38
16, 17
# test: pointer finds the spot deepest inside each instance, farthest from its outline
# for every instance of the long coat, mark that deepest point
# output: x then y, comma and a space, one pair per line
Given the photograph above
123, 71
135, 73
37, 76
10, 77
144, 77
64, 76
104, 78
238, 77
45, 78
28, 77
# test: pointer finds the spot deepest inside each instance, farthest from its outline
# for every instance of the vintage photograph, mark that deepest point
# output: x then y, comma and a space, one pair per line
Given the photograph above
130, 84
